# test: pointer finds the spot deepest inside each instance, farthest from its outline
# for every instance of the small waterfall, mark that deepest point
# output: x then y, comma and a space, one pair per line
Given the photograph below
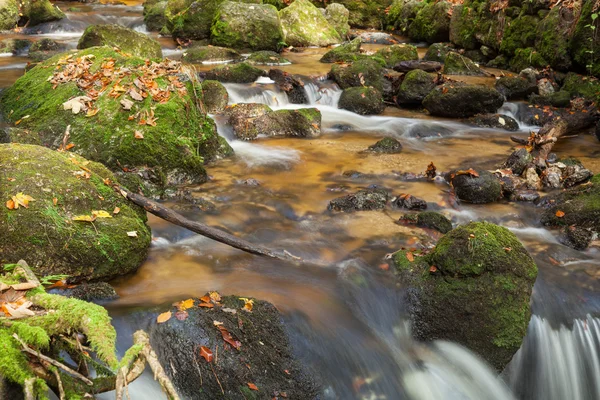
558, 363
512, 110
326, 96
241, 93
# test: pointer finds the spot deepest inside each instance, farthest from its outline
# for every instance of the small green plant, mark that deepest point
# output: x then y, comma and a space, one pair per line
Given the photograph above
592, 41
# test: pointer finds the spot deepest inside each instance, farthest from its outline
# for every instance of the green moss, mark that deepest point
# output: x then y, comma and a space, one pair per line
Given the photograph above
396, 53
9, 15
347, 52
235, 73
304, 25
14, 365
463, 26
210, 54
432, 23
525, 58
552, 41
40, 11
154, 14
266, 57
580, 205
584, 46
521, 33
415, 87
32, 335
401, 14
364, 72
362, 100
128, 40
579, 85
456, 64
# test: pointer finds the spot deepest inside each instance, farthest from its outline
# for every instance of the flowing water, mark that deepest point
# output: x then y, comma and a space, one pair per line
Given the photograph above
345, 314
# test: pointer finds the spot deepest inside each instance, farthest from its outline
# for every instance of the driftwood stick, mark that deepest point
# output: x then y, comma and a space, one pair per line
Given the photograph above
519, 140
141, 337
213, 233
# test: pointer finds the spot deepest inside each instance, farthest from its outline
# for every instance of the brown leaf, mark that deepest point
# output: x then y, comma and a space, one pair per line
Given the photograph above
164, 317
116, 210
470, 171
433, 269
206, 353
252, 386
185, 304
206, 305
228, 338
410, 256
215, 296
138, 135
181, 315
205, 299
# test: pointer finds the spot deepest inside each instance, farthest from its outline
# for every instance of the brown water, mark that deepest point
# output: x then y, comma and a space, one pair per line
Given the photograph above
344, 312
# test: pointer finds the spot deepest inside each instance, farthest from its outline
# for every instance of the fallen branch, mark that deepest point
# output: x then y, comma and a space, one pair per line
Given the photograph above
141, 337
213, 233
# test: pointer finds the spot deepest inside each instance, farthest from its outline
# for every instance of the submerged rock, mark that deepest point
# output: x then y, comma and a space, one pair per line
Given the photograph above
411, 202
456, 100
363, 200
362, 100
417, 84
497, 121
347, 52
45, 231
476, 186
94, 292
263, 356
210, 55
304, 25
46, 48
386, 145
577, 237
127, 40
429, 220
474, 288
214, 96
235, 73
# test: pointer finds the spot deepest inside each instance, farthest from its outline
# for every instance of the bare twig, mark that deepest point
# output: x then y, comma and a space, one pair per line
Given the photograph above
61, 389
29, 390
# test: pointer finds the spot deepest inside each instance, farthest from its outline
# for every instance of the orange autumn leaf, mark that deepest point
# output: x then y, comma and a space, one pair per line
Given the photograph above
410, 257
164, 317
433, 269
215, 296
116, 210
55, 201
560, 214
252, 386
248, 303
206, 305
228, 338
185, 304
10, 205
205, 299
206, 353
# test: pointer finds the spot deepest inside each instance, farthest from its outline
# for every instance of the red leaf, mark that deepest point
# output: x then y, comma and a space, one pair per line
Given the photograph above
228, 338
206, 353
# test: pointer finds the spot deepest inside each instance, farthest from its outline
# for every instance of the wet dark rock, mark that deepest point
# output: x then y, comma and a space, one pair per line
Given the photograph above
264, 357
456, 100
427, 66
575, 174
577, 237
438, 51
500, 62
456, 64
518, 160
362, 100
14, 46
425, 130
93, 292
386, 145
363, 200
236, 73
292, 85
511, 185
376, 38
266, 57
497, 121
518, 87
46, 48
214, 96
415, 87
484, 188
410, 202
526, 195
429, 220
561, 98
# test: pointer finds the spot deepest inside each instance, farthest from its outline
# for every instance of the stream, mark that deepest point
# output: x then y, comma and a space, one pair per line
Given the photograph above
345, 317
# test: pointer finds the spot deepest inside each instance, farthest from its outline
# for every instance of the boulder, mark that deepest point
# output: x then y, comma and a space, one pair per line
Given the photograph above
364, 72
110, 121
427, 66
292, 85
527, 58
396, 53
241, 117
214, 96
14, 46
39, 11
191, 20
475, 186
374, 37
365, 13
154, 14
46, 48
347, 52
235, 73
362, 100
9, 14
517, 87
576, 237
584, 86
363, 200
432, 23
473, 288
520, 33
415, 87
401, 14
337, 16
438, 52
560, 99
518, 161
429, 220
304, 25
63, 187
266, 57
127, 40
211, 55
496, 121
262, 356
456, 64
386, 145
247, 26
457, 100
410, 202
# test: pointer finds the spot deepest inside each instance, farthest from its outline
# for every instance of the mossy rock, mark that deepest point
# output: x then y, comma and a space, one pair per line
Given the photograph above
401, 14
45, 232
417, 84
579, 85
463, 24
347, 52
496, 121
456, 100
518, 87
432, 23
154, 14
363, 13
526, 58
552, 40
560, 99
174, 147
396, 53
477, 188
46, 48
500, 62
337, 16
456, 64
191, 19
127, 40
267, 57
241, 117
580, 205
438, 52
520, 33
214, 96
585, 41
9, 14
429, 220
210, 55
247, 26
235, 73
14, 46
474, 288
364, 72
304, 25
387, 145
363, 200
362, 100
40, 11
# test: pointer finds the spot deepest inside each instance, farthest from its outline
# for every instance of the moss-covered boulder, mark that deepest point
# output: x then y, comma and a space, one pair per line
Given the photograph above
520, 33
527, 58
241, 117
561, 99
40, 11
121, 112
304, 25
438, 52
188, 19
432, 23
263, 357
267, 57
518, 87
415, 87
337, 16
364, 72
578, 207
362, 100
396, 53
552, 41
585, 41
235, 73
127, 40
210, 55
401, 14
584, 86
46, 48
347, 52
214, 96
456, 64
463, 24
474, 288
456, 100
429, 220
475, 186
154, 14
65, 186
14, 46
9, 14
247, 26
387, 145
364, 13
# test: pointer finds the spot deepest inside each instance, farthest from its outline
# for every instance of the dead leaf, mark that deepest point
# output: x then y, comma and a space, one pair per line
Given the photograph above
101, 214
215, 296
138, 135
248, 303
185, 304
181, 315
560, 214
206, 305
205, 299
19, 199
164, 317
132, 234
76, 104
69, 146
469, 171
126, 104
433, 269
55, 201
252, 386
206, 353
228, 338
85, 218
116, 210
410, 257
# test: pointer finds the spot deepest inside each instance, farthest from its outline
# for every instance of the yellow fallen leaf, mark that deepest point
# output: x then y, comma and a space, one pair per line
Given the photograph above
86, 218
164, 317
185, 304
116, 210
21, 199
101, 214
248, 303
